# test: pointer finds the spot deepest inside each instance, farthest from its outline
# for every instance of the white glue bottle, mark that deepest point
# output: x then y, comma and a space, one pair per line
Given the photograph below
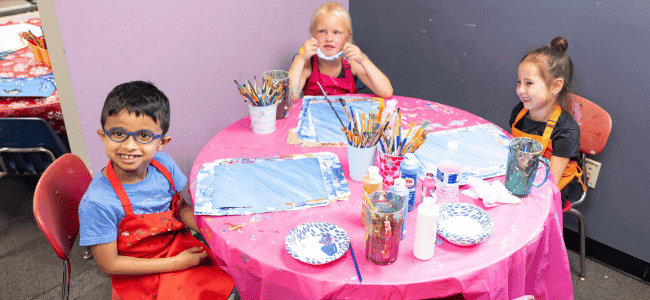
400, 189
426, 229
372, 182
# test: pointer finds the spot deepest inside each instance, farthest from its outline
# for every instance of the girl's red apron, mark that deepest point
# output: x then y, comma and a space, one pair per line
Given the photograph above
159, 235
332, 86
572, 169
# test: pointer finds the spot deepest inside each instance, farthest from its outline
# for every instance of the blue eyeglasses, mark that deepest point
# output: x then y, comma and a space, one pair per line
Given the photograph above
143, 136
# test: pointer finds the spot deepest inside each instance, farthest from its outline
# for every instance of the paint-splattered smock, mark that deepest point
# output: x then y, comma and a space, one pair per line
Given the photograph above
160, 235
344, 84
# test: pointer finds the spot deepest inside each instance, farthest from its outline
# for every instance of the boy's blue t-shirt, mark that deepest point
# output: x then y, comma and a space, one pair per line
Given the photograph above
100, 210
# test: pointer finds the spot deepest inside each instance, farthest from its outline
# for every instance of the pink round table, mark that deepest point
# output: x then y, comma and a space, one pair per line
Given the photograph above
524, 256
23, 64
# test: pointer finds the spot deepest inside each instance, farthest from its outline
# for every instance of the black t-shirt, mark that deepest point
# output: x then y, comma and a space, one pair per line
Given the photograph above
565, 137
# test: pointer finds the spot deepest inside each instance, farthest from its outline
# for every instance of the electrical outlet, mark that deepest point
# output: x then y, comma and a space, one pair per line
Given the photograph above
592, 168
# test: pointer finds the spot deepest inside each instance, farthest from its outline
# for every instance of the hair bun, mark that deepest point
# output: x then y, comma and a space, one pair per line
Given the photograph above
560, 43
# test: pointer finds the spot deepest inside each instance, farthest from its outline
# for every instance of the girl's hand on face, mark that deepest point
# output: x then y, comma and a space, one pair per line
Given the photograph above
191, 257
308, 48
352, 52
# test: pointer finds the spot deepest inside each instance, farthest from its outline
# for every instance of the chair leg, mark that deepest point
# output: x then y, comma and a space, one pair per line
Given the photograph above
581, 223
88, 254
65, 287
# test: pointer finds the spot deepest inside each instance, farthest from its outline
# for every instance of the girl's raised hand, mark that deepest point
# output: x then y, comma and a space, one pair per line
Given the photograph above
352, 52
191, 257
308, 49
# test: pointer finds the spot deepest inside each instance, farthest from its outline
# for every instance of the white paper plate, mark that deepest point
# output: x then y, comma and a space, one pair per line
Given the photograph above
11, 42
464, 224
317, 243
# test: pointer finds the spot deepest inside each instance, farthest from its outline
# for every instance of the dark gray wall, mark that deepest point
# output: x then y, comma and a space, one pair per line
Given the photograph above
465, 54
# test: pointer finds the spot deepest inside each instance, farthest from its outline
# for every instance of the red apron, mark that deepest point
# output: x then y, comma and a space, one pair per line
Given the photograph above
572, 168
160, 235
332, 86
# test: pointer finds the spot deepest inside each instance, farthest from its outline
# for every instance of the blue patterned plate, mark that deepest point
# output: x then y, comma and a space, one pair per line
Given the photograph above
317, 243
464, 224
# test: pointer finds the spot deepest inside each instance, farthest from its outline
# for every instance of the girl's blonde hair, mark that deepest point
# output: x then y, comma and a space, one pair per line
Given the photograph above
553, 62
335, 9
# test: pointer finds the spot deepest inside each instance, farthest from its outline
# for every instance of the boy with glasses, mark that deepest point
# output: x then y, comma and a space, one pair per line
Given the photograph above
132, 215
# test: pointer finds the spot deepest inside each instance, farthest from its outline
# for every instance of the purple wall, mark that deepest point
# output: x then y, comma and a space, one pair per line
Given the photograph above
191, 52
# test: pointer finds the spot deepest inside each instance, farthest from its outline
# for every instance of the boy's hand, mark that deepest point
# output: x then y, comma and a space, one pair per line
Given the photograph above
191, 257
352, 52
308, 48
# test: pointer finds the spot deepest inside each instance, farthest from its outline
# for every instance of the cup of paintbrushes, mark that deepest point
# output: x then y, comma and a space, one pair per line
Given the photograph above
280, 81
262, 118
37, 46
359, 159
389, 167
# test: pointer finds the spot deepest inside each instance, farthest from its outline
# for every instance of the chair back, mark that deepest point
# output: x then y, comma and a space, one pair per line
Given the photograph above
595, 125
28, 145
56, 202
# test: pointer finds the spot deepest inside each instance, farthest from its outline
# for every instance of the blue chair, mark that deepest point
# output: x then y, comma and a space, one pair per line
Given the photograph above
28, 146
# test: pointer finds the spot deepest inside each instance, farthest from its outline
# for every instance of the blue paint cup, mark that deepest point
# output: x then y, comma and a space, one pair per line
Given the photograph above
359, 159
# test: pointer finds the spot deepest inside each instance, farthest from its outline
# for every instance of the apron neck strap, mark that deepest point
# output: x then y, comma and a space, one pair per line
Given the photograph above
121, 193
119, 189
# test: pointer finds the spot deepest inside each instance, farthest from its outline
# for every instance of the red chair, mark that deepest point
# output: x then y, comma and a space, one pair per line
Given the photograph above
56, 203
595, 127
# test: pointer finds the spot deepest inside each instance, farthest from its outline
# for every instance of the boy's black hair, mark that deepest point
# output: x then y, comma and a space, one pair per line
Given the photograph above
141, 98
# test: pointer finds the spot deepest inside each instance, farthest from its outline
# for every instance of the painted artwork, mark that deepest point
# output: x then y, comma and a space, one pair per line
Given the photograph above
242, 186
41, 86
483, 150
318, 125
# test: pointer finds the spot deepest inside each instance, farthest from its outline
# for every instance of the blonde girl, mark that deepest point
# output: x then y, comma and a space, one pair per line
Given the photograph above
330, 58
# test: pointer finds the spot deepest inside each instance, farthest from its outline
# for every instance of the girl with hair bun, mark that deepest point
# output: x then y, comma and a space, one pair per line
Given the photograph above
544, 77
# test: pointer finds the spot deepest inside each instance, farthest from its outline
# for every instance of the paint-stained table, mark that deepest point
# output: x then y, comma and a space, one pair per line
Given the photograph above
524, 256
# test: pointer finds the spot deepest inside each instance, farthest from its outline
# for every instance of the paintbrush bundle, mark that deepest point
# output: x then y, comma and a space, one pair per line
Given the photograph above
392, 142
267, 94
33, 39
365, 130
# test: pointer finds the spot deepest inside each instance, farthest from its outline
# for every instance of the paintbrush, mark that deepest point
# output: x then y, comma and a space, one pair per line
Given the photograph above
345, 107
356, 266
328, 101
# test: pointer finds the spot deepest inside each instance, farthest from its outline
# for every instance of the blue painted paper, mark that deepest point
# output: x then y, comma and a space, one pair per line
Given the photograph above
41, 86
210, 186
483, 150
317, 123
268, 183
328, 127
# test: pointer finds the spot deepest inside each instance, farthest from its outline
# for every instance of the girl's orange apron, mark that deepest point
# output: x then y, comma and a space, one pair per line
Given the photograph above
572, 169
332, 86
160, 235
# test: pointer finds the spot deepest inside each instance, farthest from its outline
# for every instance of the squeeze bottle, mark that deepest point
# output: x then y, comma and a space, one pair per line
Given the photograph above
448, 177
428, 185
400, 189
372, 182
425, 229
409, 171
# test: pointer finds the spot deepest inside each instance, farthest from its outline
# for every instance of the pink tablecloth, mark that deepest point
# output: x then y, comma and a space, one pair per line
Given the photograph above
524, 256
22, 64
